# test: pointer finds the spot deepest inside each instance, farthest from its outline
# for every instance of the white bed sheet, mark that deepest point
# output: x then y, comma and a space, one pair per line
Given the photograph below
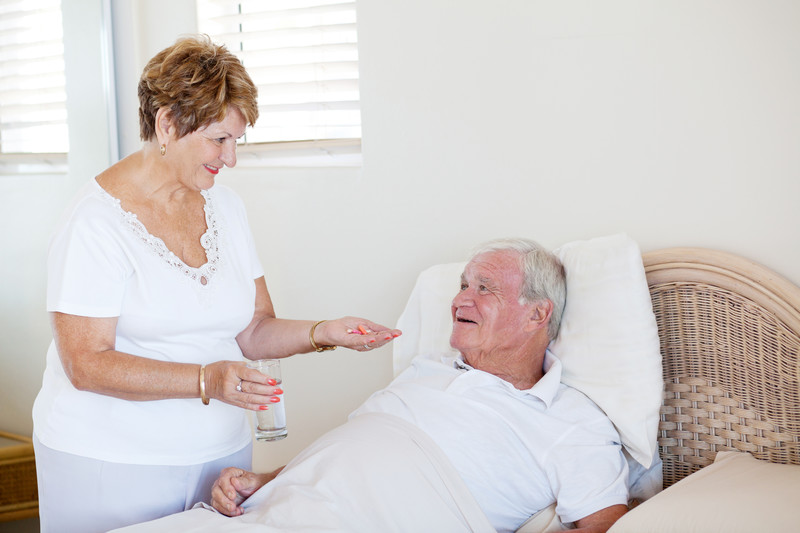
374, 473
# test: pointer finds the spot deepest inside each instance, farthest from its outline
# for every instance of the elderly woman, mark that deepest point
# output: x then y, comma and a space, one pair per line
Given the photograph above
155, 293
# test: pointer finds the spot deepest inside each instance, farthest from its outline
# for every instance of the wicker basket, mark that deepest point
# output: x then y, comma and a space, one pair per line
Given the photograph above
18, 494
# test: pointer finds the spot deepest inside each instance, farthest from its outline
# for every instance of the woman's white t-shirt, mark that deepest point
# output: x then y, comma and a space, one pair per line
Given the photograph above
103, 263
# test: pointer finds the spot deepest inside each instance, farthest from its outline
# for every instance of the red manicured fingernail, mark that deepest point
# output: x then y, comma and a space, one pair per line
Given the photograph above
362, 329
373, 340
396, 335
388, 338
274, 399
277, 391
272, 382
263, 407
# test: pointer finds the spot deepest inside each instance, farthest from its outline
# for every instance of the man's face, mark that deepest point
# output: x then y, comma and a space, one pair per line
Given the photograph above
487, 316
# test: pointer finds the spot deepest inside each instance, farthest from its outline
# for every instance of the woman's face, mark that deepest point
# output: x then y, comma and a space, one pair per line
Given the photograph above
202, 153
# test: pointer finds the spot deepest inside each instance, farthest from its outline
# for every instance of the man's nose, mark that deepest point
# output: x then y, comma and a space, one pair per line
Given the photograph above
463, 298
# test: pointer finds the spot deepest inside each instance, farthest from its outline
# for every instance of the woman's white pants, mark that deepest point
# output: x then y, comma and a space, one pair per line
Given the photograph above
82, 495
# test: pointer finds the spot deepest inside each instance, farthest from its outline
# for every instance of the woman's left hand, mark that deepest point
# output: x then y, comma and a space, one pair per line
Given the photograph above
355, 333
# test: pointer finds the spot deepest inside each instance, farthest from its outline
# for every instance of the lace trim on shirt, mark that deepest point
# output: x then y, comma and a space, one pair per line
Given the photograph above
209, 240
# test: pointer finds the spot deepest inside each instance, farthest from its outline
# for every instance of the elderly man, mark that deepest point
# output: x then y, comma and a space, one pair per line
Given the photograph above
518, 438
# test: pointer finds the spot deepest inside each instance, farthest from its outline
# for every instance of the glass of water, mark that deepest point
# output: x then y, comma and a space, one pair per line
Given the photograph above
270, 423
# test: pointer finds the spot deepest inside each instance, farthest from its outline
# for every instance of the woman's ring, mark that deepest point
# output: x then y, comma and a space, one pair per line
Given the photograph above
366, 346
239, 386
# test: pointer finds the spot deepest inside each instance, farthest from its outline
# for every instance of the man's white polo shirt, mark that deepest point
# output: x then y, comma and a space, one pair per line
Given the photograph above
518, 451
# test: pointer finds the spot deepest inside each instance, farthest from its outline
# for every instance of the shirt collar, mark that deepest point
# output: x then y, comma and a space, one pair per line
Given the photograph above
545, 389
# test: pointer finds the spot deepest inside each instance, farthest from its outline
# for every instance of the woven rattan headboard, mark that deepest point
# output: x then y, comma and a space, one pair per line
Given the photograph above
730, 338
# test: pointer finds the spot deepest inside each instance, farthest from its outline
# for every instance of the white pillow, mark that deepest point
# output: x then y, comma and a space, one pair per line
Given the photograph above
737, 493
608, 342
426, 322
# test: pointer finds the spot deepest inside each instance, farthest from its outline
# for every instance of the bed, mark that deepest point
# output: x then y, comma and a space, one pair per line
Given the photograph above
729, 429
698, 355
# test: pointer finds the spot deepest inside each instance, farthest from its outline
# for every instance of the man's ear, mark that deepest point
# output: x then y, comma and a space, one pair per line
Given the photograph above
540, 315
164, 126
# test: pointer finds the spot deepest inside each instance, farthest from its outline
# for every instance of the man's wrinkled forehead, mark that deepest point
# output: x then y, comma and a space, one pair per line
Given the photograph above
493, 265
497, 260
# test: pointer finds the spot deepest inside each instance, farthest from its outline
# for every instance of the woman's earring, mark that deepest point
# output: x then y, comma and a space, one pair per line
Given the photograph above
163, 149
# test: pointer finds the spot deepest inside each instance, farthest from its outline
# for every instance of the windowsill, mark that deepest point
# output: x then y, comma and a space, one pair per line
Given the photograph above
33, 164
300, 154
332, 153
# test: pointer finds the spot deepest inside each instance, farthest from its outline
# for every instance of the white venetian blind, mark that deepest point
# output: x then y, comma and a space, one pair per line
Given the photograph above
33, 112
302, 55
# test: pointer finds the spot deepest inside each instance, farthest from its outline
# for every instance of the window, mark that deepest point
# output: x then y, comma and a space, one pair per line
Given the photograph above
33, 113
303, 56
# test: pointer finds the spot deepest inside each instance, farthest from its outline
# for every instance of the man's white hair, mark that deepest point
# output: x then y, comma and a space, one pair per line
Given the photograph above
543, 275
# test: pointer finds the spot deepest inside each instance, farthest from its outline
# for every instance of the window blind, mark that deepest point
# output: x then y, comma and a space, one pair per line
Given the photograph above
33, 112
302, 55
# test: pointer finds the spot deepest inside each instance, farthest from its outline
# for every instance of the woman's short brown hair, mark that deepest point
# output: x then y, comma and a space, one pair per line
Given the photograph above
197, 80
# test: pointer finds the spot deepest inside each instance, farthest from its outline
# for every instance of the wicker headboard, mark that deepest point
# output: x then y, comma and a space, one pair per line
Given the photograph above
730, 338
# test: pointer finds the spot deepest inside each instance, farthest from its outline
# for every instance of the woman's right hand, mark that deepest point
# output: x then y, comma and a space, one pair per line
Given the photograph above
234, 383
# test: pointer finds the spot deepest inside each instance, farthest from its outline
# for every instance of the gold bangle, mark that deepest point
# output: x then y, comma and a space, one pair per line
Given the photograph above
314, 344
202, 379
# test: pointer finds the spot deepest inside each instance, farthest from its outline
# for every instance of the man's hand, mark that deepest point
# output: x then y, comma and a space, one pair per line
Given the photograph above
600, 521
234, 485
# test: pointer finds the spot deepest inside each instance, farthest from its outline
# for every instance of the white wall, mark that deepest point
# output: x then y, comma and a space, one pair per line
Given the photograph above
30, 206
676, 122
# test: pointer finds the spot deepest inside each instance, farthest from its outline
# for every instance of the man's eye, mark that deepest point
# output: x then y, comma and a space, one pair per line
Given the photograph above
463, 286
483, 288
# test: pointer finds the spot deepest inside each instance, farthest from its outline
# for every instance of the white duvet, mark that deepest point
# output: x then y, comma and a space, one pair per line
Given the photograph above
374, 473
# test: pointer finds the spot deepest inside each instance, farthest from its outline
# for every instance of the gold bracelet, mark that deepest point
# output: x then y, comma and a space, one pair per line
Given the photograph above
314, 344
202, 378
